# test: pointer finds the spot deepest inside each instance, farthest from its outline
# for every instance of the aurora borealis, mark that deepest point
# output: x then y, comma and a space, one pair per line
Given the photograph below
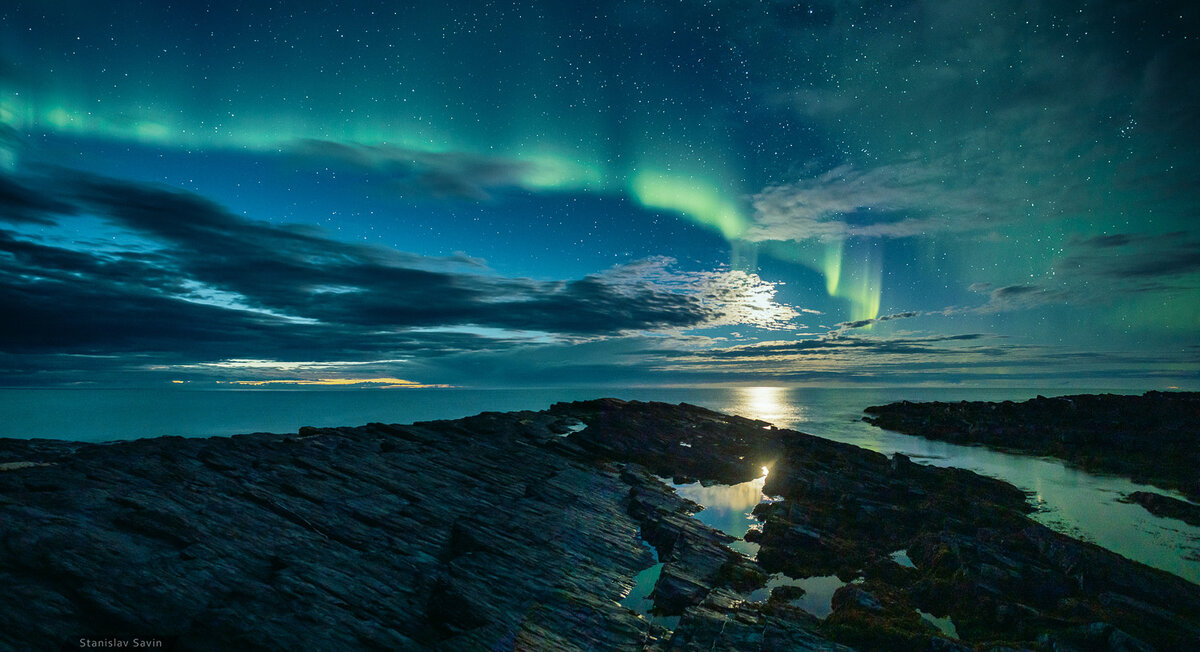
540, 193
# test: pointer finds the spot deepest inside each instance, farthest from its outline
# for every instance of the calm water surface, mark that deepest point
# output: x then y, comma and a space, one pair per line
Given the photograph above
1072, 501
1069, 500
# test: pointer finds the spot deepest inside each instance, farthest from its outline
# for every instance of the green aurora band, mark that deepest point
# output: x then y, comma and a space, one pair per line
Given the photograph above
713, 201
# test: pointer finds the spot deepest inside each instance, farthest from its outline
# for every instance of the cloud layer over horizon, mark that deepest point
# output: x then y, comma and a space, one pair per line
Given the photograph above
180, 277
530, 193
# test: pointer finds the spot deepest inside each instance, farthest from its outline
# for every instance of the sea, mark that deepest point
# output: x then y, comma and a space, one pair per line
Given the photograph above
1078, 503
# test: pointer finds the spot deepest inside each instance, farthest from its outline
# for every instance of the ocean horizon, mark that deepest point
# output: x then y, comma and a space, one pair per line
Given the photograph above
107, 414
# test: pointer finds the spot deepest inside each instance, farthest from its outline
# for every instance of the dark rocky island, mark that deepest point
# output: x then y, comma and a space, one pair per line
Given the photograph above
521, 531
1153, 438
1165, 506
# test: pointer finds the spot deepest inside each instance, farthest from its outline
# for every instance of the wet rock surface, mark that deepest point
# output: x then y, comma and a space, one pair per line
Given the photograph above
513, 531
1153, 438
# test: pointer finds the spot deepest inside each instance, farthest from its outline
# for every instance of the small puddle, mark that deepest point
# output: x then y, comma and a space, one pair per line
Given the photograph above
578, 426
901, 557
638, 599
944, 625
818, 592
728, 508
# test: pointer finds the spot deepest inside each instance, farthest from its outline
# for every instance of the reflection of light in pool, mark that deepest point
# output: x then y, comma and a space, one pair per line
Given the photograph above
728, 508
1069, 500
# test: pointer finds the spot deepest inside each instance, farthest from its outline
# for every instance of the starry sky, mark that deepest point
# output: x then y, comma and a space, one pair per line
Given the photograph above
535, 193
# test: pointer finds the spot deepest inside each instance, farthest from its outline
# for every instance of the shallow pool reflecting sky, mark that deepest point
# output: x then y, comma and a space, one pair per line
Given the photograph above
728, 507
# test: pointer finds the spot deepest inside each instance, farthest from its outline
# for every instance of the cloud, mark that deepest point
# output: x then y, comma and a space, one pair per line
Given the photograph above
19, 204
839, 343
1106, 241
862, 323
303, 273
440, 174
1104, 268
1140, 261
970, 359
11, 146
1013, 291
891, 201
958, 118
1008, 298
734, 297
636, 359
202, 284
839, 358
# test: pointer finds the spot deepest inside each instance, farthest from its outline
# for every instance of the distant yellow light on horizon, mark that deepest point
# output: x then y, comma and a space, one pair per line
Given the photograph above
388, 383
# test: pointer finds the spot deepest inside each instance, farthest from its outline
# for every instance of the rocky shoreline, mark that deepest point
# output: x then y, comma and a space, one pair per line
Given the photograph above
1153, 438
1165, 506
524, 530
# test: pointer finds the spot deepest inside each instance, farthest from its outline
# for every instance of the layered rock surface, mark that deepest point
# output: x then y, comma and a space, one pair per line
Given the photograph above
512, 531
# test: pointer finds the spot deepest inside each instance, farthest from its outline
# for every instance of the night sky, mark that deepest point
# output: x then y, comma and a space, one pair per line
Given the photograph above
500, 194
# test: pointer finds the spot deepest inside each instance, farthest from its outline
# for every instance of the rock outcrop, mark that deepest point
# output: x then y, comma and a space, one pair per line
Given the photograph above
1153, 438
1165, 506
521, 531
